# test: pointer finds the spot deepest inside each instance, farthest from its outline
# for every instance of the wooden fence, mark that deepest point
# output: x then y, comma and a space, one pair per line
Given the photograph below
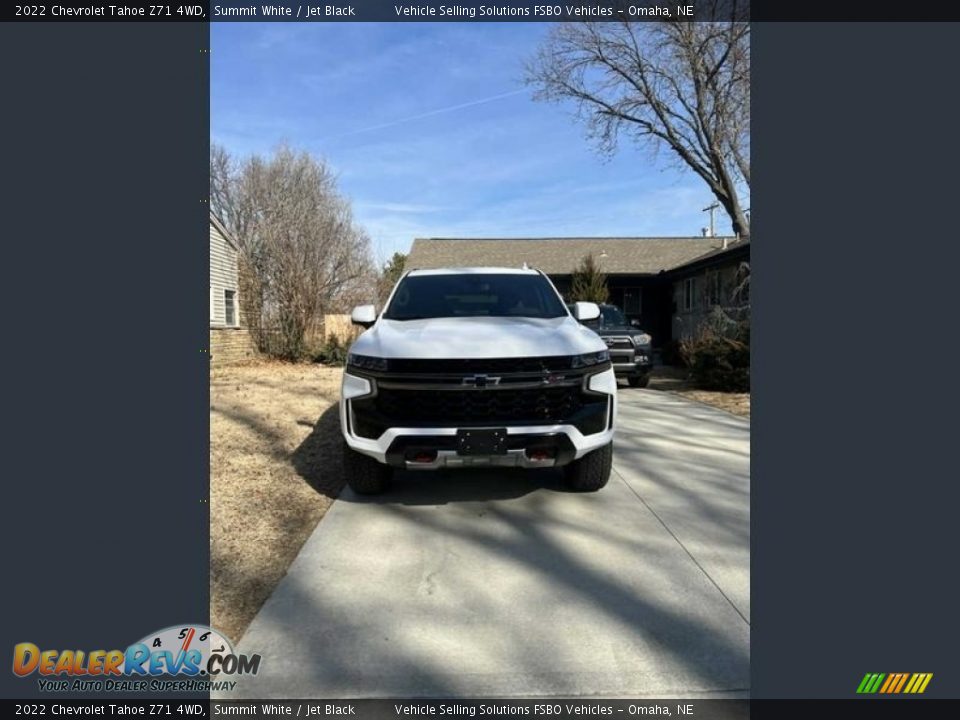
316, 336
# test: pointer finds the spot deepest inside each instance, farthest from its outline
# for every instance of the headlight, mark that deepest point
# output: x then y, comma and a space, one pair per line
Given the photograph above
588, 359
366, 362
642, 339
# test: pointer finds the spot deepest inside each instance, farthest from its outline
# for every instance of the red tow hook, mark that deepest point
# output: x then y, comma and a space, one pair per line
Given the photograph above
425, 456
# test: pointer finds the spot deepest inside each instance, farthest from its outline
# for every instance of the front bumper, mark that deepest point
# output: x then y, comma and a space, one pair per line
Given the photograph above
399, 446
638, 362
433, 446
525, 450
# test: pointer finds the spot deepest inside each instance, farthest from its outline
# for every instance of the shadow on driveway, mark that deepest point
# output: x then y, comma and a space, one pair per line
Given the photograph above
319, 461
501, 583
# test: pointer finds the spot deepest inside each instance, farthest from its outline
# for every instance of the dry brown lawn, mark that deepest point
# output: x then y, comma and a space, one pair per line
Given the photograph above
736, 403
675, 380
275, 468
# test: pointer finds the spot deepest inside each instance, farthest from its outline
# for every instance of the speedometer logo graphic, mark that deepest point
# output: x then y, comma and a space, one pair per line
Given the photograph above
198, 643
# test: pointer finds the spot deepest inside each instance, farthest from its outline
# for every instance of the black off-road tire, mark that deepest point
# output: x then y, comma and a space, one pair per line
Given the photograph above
365, 476
592, 471
638, 381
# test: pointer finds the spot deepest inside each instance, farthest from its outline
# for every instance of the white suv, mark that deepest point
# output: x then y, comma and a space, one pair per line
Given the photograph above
477, 367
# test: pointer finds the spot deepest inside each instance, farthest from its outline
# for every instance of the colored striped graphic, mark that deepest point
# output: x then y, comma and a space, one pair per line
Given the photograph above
894, 683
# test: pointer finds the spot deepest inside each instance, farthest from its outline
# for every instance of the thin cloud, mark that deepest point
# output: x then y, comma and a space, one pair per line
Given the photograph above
403, 208
431, 113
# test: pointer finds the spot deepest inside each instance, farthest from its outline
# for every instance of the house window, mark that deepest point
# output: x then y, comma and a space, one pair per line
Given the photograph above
689, 293
230, 306
631, 301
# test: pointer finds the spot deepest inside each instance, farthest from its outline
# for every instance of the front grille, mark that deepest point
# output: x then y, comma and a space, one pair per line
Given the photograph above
619, 343
471, 407
491, 366
476, 393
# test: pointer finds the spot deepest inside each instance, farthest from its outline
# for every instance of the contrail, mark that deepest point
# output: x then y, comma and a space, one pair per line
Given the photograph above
431, 113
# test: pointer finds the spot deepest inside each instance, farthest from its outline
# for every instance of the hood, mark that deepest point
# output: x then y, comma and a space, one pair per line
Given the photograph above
619, 329
477, 337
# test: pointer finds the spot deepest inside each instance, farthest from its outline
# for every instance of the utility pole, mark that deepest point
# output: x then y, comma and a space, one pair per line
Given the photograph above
711, 208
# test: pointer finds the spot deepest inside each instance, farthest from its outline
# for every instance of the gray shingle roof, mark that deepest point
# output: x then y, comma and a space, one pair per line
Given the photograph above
558, 256
732, 245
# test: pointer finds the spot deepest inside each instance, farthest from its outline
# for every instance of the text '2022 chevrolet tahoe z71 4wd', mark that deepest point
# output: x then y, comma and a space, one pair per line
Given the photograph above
477, 367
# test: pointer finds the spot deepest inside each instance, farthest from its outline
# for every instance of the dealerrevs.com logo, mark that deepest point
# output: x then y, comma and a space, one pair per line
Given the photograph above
178, 658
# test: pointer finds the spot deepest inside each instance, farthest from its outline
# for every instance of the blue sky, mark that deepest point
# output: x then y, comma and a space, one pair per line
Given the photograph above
433, 134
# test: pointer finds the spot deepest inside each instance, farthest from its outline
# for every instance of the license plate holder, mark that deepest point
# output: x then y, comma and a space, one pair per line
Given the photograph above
482, 441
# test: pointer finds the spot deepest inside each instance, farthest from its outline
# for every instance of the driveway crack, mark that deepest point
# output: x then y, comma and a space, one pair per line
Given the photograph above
680, 543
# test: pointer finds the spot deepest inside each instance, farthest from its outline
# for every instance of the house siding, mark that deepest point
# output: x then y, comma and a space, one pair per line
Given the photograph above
223, 276
686, 321
228, 343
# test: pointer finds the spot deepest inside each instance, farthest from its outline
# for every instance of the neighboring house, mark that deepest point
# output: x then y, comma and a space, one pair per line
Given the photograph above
667, 284
229, 339
717, 278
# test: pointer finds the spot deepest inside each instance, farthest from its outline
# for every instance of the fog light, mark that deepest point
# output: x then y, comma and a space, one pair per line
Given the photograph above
540, 454
604, 382
354, 386
422, 456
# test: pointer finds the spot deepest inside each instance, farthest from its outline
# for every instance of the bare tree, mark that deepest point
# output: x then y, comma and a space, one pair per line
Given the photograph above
302, 252
235, 206
684, 86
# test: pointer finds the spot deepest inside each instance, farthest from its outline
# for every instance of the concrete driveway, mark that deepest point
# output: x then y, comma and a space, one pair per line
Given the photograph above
503, 584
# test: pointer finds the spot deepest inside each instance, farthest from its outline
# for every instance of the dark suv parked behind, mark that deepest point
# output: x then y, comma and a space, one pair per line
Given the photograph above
630, 347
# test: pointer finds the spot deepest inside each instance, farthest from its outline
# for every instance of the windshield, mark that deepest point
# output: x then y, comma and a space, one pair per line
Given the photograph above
611, 315
474, 295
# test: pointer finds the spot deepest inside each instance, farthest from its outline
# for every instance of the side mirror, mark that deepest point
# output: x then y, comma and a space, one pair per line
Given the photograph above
583, 311
635, 322
364, 315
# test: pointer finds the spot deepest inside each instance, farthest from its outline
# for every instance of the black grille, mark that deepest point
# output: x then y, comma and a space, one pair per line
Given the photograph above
481, 407
490, 366
619, 343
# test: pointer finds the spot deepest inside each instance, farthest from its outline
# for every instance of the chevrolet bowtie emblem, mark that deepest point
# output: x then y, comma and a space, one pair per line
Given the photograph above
481, 381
